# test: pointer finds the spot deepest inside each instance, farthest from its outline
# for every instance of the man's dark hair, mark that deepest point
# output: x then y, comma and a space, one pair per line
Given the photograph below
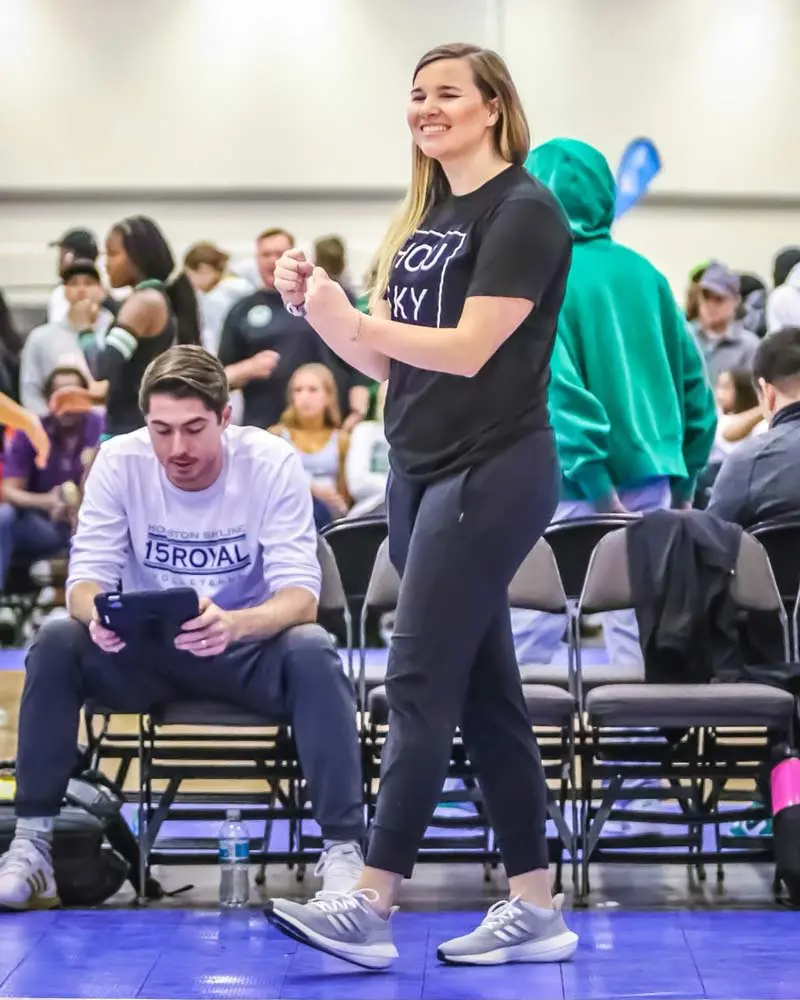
777, 359
47, 388
186, 372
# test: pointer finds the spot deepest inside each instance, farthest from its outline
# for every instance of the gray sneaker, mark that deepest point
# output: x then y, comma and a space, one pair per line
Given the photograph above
343, 924
513, 931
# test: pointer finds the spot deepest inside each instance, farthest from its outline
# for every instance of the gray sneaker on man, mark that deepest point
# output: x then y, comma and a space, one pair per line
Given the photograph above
343, 924
513, 931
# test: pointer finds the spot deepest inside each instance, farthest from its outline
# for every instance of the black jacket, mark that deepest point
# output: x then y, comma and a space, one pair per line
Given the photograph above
680, 565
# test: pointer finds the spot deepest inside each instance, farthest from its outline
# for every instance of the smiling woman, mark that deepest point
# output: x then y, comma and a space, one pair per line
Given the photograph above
470, 281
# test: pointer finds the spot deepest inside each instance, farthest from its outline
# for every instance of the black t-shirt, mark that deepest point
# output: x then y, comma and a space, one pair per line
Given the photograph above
507, 239
260, 322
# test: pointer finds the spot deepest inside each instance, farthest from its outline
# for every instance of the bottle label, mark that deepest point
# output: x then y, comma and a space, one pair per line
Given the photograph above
234, 850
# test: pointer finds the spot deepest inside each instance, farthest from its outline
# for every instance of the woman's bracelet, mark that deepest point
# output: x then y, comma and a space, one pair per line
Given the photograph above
294, 310
357, 333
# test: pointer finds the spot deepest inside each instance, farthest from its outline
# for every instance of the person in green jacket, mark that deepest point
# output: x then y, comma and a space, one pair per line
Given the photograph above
630, 401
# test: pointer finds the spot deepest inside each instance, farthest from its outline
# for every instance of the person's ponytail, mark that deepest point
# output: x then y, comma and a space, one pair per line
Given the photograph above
184, 304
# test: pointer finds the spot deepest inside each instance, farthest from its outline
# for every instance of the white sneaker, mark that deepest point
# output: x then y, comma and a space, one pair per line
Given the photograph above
340, 866
27, 881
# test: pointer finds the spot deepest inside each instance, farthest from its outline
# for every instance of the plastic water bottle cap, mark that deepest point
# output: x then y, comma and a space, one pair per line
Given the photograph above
233, 815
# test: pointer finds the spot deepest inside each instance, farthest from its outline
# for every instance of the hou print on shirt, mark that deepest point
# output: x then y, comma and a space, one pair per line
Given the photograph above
191, 558
416, 293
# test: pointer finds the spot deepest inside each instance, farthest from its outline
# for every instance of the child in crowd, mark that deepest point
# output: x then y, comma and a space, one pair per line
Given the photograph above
312, 423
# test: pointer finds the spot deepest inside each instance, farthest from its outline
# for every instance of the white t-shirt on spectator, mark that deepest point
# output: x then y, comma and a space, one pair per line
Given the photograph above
215, 305
238, 542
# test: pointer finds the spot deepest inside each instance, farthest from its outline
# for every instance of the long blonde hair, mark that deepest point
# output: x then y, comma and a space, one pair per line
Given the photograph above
428, 182
332, 417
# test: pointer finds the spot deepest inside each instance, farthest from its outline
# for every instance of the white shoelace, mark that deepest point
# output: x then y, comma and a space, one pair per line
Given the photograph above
343, 902
501, 912
343, 860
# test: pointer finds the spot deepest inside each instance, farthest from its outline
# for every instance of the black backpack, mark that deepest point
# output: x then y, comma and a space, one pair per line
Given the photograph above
94, 850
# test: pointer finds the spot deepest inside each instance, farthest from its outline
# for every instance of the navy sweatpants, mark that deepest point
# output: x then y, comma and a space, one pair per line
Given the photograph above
296, 674
457, 544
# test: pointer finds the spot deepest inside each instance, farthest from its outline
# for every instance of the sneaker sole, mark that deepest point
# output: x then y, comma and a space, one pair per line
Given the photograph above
556, 949
379, 959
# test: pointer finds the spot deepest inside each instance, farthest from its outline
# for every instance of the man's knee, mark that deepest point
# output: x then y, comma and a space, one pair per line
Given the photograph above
58, 643
310, 656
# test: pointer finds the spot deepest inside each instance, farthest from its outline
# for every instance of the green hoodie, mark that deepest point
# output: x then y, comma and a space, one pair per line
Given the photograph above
629, 395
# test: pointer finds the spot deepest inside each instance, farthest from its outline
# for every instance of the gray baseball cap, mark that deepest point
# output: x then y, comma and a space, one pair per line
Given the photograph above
719, 279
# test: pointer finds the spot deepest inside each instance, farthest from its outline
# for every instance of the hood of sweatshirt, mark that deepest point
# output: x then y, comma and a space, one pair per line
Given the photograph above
581, 179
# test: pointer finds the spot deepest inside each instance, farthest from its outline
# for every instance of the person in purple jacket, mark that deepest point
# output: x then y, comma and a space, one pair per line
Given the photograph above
39, 504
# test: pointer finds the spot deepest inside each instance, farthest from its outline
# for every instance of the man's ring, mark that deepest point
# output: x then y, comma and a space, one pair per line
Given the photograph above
203, 643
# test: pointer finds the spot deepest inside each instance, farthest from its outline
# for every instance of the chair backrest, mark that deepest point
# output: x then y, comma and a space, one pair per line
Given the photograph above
608, 586
355, 545
332, 596
537, 583
573, 542
384, 582
781, 539
754, 586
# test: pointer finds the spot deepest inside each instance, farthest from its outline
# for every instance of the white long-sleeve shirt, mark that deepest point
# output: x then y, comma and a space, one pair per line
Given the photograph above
239, 542
367, 467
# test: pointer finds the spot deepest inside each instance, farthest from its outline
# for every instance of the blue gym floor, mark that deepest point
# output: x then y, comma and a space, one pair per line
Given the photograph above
651, 933
169, 953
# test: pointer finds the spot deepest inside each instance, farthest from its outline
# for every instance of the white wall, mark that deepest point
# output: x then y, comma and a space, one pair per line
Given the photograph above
220, 117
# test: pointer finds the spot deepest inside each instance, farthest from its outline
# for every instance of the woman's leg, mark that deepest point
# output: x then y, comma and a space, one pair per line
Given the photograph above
458, 543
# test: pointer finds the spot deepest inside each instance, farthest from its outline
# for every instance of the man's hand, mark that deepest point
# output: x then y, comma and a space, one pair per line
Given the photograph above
103, 637
262, 365
207, 635
83, 313
57, 507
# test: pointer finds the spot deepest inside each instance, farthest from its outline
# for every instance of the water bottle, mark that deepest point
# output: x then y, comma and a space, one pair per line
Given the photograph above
234, 861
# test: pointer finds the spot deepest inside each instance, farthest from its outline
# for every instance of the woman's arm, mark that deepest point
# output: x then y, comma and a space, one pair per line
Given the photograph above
733, 427
143, 315
341, 478
358, 353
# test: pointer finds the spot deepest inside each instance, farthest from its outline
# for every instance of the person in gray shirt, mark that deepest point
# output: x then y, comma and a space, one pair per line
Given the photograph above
73, 341
725, 342
760, 480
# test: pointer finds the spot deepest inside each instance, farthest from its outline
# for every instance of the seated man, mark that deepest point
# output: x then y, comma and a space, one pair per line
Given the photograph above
190, 501
39, 505
760, 480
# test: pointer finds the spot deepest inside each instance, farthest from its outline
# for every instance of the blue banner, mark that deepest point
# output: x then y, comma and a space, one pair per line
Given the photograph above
638, 166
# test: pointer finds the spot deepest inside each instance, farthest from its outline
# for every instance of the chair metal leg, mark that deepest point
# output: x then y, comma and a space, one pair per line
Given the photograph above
141, 832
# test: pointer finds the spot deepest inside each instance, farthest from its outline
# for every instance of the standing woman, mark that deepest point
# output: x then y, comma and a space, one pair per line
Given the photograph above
470, 280
157, 314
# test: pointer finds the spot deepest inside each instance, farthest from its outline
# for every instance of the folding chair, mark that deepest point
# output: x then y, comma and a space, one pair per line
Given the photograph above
704, 732
355, 543
781, 538
572, 542
536, 586
251, 746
